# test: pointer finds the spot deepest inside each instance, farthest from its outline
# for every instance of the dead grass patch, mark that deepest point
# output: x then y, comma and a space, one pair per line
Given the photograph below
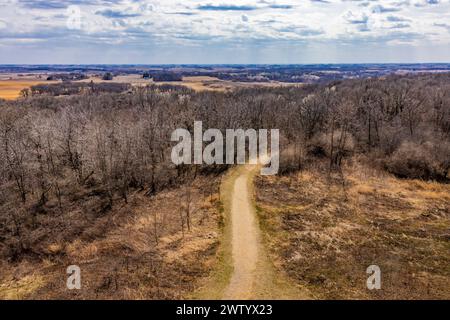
16, 289
325, 234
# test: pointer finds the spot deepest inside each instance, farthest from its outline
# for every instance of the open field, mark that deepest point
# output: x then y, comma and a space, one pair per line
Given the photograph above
197, 83
10, 89
12, 84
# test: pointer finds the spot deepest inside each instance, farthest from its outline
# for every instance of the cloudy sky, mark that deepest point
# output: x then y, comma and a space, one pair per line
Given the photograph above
224, 31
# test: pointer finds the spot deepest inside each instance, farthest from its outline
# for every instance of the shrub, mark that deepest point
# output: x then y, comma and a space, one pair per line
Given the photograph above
429, 160
107, 76
167, 76
291, 160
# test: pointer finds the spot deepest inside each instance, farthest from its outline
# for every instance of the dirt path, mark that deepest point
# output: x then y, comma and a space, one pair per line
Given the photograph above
253, 274
244, 269
245, 240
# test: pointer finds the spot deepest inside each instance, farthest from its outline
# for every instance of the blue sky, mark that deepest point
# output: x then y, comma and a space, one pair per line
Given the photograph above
224, 31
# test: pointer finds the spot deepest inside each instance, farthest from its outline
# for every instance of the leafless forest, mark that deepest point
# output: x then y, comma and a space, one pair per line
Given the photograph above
70, 160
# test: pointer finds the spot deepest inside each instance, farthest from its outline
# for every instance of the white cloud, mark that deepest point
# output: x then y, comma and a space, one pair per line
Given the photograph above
209, 22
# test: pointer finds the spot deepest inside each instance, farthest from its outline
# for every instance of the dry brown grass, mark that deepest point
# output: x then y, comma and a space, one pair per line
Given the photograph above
16, 289
325, 234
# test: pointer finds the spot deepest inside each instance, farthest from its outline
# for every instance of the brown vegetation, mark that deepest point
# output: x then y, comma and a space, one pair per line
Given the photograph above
74, 165
139, 250
324, 234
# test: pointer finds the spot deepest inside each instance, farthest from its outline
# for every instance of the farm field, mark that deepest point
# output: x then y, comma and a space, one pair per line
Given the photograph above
10, 86
10, 89
197, 83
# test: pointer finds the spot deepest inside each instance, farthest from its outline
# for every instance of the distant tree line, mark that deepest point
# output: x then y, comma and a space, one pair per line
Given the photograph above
166, 76
73, 88
72, 76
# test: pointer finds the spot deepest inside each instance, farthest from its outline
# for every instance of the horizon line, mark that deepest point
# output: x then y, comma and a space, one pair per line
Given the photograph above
219, 64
